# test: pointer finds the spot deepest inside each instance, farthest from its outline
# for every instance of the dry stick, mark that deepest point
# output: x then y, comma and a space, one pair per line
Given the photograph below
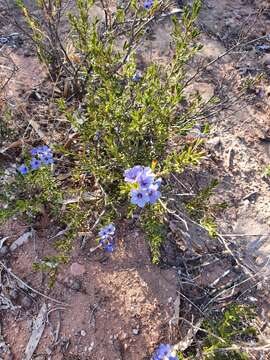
29, 287
15, 68
134, 34
174, 214
220, 237
192, 303
244, 346
236, 285
203, 330
222, 55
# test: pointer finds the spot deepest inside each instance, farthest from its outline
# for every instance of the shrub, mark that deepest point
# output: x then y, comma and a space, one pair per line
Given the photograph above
121, 117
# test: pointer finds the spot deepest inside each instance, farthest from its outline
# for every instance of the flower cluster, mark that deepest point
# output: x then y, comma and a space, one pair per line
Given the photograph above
146, 187
164, 352
106, 237
148, 4
41, 155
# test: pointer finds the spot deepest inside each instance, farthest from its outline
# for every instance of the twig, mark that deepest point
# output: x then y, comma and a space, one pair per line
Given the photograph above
236, 285
29, 287
191, 302
174, 214
199, 70
198, 328
241, 347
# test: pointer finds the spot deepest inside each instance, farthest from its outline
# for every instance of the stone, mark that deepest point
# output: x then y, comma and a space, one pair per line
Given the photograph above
215, 142
77, 269
266, 59
135, 331
26, 302
14, 294
76, 285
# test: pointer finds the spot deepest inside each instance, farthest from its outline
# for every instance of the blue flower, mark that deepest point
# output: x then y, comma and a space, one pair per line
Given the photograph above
34, 151
35, 164
137, 76
148, 4
107, 230
46, 151
146, 178
102, 241
46, 159
110, 247
41, 151
153, 193
23, 169
132, 174
164, 351
106, 238
139, 197
158, 182
110, 229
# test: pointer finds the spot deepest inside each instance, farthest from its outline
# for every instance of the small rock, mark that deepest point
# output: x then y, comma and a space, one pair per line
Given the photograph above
83, 333
14, 294
26, 302
215, 142
135, 331
266, 59
77, 269
230, 158
91, 347
76, 285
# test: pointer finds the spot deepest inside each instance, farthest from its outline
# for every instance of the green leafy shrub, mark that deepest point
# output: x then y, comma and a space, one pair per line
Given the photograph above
202, 211
121, 116
223, 331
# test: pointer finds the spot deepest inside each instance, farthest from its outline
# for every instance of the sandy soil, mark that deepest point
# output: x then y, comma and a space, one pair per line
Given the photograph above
120, 307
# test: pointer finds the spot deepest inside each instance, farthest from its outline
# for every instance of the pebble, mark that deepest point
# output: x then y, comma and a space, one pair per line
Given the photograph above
77, 269
83, 333
14, 294
26, 302
91, 346
266, 59
76, 285
215, 142
135, 331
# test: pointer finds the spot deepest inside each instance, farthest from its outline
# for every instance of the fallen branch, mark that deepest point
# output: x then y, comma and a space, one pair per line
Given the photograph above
38, 329
29, 287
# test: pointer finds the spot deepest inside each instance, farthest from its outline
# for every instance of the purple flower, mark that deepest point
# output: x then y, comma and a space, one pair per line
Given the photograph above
164, 351
153, 193
139, 197
23, 169
148, 4
132, 174
35, 164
